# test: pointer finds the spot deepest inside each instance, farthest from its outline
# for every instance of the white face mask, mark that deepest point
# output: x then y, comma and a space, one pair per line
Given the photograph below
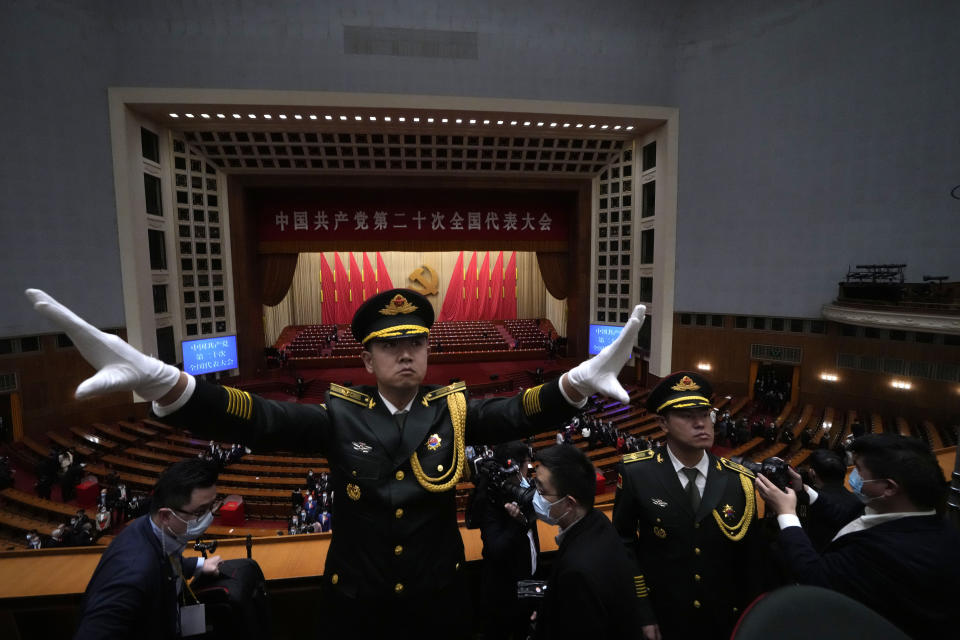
542, 506
195, 527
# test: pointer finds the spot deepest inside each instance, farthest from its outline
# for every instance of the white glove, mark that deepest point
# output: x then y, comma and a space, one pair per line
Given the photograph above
119, 366
599, 374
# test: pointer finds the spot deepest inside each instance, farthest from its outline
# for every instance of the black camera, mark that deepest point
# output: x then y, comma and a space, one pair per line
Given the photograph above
500, 483
774, 469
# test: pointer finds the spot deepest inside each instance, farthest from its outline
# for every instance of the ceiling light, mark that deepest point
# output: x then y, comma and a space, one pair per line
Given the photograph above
486, 122
267, 116
617, 127
343, 117
386, 118
189, 115
205, 115
513, 123
237, 116
373, 118
579, 125
297, 116
402, 119
173, 115
444, 120
252, 116
283, 116
313, 117
430, 120
416, 119
221, 116
606, 126
829, 377
473, 122
566, 124
358, 118
704, 366
592, 126
499, 121
459, 120
553, 124
539, 124
630, 128
527, 123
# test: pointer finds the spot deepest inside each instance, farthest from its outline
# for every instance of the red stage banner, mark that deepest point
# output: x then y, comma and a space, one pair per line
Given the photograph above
451, 302
369, 278
496, 289
383, 278
470, 299
483, 288
328, 293
509, 309
356, 286
376, 215
342, 281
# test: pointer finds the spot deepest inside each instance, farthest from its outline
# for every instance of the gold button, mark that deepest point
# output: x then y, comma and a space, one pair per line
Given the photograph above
696, 550
696, 604
398, 513
439, 467
398, 588
696, 577
457, 566
735, 610
696, 525
334, 578
658, 519
397, 550
399, 475
354, 472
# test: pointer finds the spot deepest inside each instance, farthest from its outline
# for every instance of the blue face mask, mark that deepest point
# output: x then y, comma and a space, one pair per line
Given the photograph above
856, 483
542, 506
524, 483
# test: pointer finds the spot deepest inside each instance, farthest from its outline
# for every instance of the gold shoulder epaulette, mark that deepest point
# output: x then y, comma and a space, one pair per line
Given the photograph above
636, 456
443, 392
739, 468
351, 395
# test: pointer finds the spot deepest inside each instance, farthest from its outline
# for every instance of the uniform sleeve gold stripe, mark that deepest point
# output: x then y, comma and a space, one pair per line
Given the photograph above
531, 401
248, 406
230, 397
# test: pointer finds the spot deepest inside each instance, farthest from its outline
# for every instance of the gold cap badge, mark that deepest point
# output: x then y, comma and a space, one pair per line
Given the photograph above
686, 384
397, 305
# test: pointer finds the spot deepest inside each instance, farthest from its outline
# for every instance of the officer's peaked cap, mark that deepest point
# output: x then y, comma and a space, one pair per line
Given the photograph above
393, 314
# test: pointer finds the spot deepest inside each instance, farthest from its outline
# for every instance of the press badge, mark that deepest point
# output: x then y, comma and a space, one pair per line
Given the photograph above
193, 620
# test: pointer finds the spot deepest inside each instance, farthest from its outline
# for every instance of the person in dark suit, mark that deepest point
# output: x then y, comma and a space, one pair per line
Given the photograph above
824, 518
139, 582
511, 546
900, 558
690, 520
396, 450
591, 592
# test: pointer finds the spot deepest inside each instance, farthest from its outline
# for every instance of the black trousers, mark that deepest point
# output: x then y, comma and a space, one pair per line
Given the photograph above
442, 613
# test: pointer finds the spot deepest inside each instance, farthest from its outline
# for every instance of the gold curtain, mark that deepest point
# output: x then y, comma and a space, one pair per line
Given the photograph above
301, 305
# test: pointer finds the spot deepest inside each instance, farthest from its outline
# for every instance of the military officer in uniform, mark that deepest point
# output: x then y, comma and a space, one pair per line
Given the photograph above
396, 450
690, 517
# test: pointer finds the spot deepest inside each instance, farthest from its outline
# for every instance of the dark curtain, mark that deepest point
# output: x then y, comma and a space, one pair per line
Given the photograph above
553, 269
277, 271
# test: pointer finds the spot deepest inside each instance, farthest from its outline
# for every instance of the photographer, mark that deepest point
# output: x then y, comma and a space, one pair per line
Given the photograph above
502, 508
900, 557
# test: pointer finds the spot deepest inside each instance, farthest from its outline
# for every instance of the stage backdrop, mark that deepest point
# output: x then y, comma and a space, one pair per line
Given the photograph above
302, 304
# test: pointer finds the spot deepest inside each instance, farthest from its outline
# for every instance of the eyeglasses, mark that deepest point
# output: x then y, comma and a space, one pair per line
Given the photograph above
541, 491
213, 508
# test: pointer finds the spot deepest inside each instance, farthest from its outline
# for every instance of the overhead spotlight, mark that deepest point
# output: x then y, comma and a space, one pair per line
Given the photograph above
221, 116
402, 119
416, 119
430, 120
237, 116
606, 126
539, 124
704, 366
343, 117
267, 116
358, 118
459, 121
566, 124
283, 116
386, 118
617, 127
373, 118
513, 123
473, 122
486, 122
579, 125
205, 115
553, 124
189, 115
499, 121
173, 115
444, 120
630, 128
527, 123
297, 116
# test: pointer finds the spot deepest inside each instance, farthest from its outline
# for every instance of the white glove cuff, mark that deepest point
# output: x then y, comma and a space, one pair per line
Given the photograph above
578, 405
167, 409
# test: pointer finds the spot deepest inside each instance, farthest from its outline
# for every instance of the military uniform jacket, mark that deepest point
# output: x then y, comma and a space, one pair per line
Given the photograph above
697, 571
392, 537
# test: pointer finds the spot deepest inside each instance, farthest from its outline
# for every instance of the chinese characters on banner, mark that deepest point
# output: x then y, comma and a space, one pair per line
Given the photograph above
209, 355
399, 214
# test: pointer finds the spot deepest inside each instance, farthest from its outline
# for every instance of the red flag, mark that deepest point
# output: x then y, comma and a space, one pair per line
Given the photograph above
509, 307
328, 296
483, 289
383, 278
471, 301
369, 278
496, 289
342, 280
451, 301
356, 285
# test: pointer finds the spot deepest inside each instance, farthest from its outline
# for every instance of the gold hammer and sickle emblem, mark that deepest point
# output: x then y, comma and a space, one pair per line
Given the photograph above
427, 278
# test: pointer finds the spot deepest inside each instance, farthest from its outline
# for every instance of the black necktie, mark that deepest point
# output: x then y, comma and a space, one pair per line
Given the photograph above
692, 492
400, 417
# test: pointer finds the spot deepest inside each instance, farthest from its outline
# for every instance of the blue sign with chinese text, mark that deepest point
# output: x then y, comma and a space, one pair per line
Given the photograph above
209, 354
